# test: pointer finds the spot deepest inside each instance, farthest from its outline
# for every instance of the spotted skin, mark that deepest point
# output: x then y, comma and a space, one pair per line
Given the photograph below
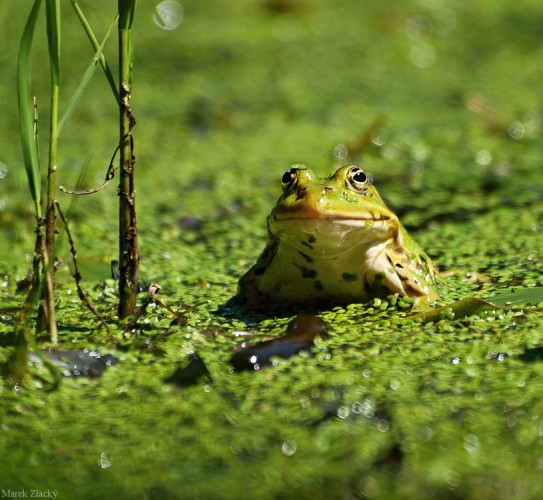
333, 240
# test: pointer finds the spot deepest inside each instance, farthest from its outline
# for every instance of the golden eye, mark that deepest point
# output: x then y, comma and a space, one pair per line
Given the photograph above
357, 180
289, 179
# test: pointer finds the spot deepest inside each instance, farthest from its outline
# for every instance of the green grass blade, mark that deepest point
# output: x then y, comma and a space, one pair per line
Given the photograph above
127, 9
26, 109
89, 72
94, 42
53, 35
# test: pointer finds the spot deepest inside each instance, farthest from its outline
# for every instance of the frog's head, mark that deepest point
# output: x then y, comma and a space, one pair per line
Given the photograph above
345, 208
348, 194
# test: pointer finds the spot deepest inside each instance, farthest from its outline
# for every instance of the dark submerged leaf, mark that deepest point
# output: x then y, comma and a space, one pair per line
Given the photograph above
300, 336
80, 363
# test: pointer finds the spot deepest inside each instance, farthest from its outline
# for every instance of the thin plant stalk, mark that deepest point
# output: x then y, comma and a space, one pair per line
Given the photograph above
50, 227
47, 316
128, 237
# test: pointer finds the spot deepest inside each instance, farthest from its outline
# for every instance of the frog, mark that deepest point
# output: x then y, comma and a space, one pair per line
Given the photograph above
334, 241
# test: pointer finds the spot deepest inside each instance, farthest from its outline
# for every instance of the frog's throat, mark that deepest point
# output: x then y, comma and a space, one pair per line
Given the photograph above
374, 220
331, 238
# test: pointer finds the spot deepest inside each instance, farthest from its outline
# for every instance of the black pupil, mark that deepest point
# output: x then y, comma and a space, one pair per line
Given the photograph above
287, 177
359, 176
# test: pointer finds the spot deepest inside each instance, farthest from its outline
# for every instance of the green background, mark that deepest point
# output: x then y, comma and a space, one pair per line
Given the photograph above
224, 104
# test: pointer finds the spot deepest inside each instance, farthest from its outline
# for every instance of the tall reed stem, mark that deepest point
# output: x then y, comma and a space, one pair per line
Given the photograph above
47, 316
128, 235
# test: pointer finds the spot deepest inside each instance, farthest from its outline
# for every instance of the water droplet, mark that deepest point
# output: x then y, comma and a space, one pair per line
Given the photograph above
502, 169
471, 443
419, 152
340, 152
453, 478
343, 412
395, 384
104, 461
168, 15
383, 425
289, 448
426, 433
379, 137
417, 27
3, 170
516, 130
532, 121
422, 55
356, 408
242, 333
368, 408
483, 157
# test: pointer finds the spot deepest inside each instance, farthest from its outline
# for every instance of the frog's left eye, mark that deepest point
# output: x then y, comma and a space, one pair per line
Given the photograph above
289, 178
357, 180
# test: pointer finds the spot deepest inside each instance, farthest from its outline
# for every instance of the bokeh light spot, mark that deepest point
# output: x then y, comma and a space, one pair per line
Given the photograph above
168, 15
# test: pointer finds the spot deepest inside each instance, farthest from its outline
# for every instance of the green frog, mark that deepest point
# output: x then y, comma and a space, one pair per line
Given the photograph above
334, 241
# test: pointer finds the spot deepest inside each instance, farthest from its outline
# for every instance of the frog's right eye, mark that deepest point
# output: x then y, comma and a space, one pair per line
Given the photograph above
289, 178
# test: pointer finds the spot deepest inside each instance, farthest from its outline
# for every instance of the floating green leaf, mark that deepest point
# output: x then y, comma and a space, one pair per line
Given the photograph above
519, 297
472, 305
457, 310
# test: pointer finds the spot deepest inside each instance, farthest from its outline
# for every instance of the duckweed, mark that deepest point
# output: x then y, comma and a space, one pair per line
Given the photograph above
385, 407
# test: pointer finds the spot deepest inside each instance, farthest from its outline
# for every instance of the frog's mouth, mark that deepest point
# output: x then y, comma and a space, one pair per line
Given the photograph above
372, 220
305, 212
331, 237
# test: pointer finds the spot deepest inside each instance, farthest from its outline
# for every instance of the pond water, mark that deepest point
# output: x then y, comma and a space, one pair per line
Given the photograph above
379, 407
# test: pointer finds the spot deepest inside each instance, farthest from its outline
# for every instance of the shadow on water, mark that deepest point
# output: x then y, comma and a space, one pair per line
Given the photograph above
532, 355
233, 309
191, 374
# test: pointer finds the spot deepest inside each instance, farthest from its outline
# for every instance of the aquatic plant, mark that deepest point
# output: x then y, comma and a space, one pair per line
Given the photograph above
46, 205
128, 234
43, 268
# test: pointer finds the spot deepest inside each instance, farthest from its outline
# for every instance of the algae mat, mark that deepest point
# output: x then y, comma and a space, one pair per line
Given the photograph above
225, 103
